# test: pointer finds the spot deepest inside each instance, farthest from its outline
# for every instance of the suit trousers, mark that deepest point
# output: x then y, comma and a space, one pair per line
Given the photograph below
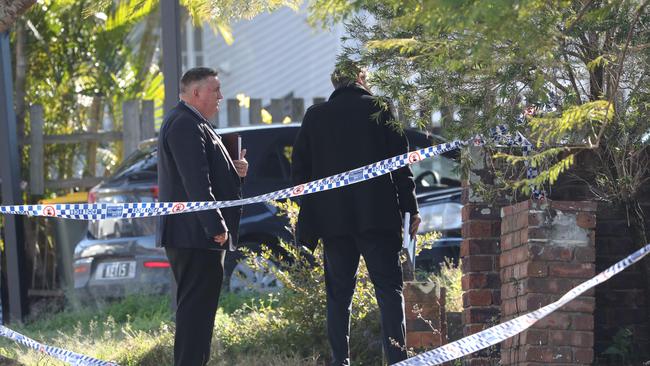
199, 275
380, 250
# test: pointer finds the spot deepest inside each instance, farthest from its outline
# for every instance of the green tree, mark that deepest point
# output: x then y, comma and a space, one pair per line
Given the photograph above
482, 63
85, 58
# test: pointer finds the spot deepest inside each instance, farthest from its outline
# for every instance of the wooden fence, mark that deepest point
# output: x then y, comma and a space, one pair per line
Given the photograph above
139, 124
279, 109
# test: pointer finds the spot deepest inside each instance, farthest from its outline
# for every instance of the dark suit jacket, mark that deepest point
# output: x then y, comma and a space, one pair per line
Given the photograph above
339, 135
193, 165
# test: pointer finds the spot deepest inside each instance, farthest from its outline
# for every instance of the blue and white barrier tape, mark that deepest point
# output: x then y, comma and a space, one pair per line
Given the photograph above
503, 331
70, 357
100, 211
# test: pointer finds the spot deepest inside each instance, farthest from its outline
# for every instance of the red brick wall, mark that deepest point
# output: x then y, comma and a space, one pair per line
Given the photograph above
547, 248
426, 325
622, 302
481, 284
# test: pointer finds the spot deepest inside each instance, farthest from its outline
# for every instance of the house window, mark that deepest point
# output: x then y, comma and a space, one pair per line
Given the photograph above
191, 45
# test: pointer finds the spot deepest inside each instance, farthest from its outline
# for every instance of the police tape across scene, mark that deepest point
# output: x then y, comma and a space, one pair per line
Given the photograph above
101, 211
134, 210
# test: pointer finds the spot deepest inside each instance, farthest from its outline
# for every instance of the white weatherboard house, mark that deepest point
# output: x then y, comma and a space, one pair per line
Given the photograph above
273, 55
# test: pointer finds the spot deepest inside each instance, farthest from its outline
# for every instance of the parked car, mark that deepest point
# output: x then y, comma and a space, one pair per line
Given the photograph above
118, 256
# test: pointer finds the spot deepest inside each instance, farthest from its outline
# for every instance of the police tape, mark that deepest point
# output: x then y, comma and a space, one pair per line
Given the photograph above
503, 331
70, 357
100, 211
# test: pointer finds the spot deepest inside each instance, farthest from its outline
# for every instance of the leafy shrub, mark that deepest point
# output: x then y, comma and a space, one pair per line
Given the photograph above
449, 277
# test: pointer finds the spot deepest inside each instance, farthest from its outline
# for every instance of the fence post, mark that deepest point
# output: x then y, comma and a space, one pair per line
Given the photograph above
36, 165
147, 127
130, 127
276, 109
318, 100
297, 109
255, 112
234, 113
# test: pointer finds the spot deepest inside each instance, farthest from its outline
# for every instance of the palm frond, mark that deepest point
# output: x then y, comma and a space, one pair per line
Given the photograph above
97, 6
129, 12
219, 14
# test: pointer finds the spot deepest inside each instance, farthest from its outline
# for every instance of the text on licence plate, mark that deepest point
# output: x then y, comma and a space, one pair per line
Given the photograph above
116, 270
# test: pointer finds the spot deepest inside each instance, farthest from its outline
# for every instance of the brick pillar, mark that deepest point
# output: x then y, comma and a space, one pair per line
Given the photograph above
479, 254
425, 309
547, 248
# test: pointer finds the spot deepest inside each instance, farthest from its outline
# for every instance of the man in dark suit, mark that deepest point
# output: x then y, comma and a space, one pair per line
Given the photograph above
194, 165
348, 131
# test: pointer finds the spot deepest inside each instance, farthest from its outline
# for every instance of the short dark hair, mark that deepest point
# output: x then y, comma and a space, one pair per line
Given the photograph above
345, 73
196, 74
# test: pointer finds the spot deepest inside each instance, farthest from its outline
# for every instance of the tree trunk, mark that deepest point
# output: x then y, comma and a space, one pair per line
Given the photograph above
10, 10
597, 74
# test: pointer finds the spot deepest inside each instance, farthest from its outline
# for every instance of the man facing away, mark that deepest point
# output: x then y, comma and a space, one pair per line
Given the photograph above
349, 131
193, 165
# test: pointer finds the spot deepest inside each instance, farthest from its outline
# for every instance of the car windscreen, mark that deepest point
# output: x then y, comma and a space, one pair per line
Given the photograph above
140, 163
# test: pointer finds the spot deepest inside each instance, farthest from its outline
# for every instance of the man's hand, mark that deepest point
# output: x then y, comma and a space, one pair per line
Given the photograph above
221, 238
241, 165
415, 224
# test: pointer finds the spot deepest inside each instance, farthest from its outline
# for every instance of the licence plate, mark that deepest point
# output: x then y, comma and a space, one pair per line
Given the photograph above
116, 270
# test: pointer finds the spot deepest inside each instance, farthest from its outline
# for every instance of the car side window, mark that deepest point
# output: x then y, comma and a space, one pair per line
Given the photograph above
276, 163
437, 172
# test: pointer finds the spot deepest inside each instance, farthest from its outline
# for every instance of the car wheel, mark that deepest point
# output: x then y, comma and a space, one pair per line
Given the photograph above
242, 277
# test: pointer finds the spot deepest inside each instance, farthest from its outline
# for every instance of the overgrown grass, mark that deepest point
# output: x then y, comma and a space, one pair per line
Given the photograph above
251, 329
139, 331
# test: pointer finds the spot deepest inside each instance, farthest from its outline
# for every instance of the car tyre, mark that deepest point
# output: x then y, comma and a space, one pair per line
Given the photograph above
239, 276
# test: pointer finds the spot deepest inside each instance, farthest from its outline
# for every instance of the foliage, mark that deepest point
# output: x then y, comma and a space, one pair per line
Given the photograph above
581, 67
622, 351
449, 277
217, 14
77, 68
138, 331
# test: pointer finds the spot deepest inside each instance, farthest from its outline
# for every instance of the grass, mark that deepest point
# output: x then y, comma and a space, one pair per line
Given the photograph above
138, 330
251, 329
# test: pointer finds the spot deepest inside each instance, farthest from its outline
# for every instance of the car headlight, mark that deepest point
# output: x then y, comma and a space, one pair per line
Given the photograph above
445, 216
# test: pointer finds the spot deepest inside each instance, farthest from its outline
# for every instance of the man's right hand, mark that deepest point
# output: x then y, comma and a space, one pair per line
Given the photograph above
221, 238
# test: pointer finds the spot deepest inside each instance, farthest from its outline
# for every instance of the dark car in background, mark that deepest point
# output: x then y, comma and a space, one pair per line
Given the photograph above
118, 256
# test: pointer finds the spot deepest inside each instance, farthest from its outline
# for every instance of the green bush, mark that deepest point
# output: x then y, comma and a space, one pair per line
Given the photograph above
449, 277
